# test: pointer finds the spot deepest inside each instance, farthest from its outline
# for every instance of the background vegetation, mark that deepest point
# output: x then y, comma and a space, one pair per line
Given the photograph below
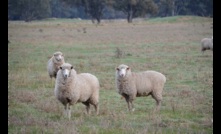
29, 10
170, 45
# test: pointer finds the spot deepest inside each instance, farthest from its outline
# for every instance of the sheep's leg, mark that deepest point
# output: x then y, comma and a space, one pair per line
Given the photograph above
67, 111
127, 100
158, 98
158, 103
129, 103
96, 106
87, 104
52, 84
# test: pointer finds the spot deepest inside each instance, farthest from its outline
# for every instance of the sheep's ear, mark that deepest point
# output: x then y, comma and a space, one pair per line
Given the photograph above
60, 67
71, 67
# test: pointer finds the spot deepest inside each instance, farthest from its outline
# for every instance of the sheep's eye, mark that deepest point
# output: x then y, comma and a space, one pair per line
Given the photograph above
117, 69
71, 67
60, 67
128, 68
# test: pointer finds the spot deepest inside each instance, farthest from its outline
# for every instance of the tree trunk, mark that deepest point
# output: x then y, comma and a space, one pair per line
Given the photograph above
130, 14
98, 20
173, 8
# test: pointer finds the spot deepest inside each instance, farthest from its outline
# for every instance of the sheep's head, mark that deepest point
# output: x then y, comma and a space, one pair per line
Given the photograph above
123, 70
58, 56
66, 70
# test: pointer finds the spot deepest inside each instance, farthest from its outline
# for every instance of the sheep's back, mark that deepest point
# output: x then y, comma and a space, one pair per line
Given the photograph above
148, 81
206, 43
88, 84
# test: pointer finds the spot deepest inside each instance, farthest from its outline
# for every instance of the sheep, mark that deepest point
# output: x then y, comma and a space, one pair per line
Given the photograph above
131, 85
207, 44
54, 63
71, 88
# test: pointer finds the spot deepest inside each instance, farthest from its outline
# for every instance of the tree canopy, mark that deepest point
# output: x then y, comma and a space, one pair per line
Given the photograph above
102, 9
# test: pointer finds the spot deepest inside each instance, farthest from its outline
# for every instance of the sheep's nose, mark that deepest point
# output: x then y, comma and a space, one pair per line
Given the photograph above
65, 75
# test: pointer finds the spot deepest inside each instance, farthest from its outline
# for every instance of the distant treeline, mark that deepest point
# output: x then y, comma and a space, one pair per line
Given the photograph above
29, 10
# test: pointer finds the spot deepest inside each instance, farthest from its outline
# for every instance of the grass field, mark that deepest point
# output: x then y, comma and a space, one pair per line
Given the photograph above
168, 45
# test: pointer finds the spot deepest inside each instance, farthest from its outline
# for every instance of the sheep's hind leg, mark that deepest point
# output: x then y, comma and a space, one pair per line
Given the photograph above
87, 104
96, 107
158, 99
158, 103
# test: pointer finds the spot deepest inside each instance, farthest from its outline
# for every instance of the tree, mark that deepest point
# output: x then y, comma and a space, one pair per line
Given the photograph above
29, 9
135, 8
185, 7
93, 8
201, 8
166, 7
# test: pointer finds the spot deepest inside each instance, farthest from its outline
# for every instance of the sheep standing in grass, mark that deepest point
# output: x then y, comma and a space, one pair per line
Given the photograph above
207, 44
54, 63
131, 85
71, 88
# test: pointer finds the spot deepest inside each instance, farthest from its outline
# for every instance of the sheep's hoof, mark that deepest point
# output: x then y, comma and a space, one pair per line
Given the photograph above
132, 110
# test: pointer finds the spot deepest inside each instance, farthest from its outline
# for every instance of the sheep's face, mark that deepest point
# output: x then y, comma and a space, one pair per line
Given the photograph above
66, 70
122, 70
58, 56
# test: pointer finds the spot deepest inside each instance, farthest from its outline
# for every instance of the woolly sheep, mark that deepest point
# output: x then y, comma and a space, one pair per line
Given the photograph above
54, 63
131, 85
71, 88
207, 44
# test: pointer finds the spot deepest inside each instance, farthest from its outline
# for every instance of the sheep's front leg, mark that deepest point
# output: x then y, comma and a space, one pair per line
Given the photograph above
129, 103
67, 111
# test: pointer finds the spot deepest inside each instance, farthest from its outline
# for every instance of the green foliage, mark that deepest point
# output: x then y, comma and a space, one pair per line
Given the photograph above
29, 9
185, 7
93, 8
106, 9
136, 8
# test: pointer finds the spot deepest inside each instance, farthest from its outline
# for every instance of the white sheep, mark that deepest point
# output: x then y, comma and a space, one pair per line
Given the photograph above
131, 85
207, 44
54, 63
71, 88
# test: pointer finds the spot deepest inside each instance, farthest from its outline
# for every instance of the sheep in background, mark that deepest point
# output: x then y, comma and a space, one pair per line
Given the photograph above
131, 85
71, 88
54, 63
207, 44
